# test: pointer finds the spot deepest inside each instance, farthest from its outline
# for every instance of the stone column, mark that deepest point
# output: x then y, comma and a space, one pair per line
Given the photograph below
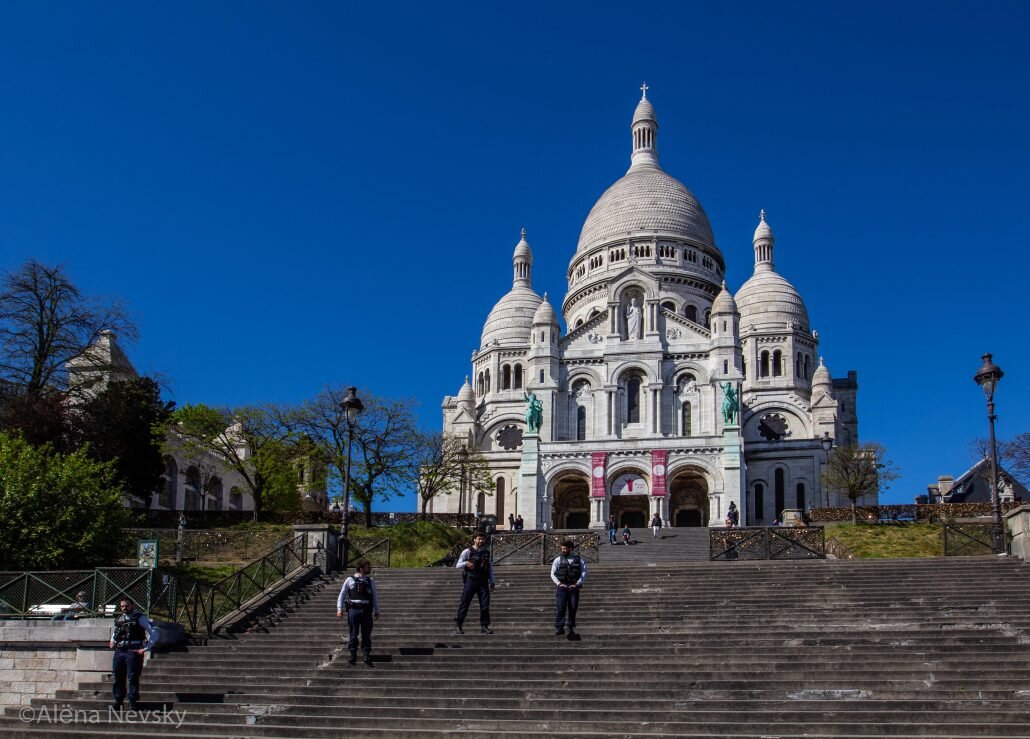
732, 474
1017, 521
530, 485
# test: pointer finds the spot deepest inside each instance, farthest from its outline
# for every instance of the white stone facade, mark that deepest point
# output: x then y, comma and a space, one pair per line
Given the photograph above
633, 391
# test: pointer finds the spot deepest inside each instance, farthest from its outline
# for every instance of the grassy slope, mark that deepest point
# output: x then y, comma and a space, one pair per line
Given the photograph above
895, 540
414, 544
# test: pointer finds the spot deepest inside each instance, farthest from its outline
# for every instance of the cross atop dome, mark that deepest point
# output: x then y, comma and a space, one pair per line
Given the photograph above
643, 89
524, 230
760, 215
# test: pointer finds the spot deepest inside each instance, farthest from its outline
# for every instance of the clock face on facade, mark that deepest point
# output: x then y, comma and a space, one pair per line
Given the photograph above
510, 438
773, 427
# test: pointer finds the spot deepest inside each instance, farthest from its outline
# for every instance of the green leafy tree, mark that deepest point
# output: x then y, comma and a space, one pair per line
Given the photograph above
126, 424
57, 511
858, 471
443, 465
385, 441
254, 441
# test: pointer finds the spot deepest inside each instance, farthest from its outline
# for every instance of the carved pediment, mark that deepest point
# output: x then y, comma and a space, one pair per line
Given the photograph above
679, 328
590, 335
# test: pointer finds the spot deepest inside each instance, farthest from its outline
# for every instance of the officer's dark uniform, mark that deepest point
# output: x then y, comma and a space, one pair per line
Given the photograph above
131, 632
567, 570
359, 596
478, 582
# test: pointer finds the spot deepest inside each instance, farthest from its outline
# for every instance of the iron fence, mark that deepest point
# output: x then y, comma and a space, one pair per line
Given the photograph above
755, 542
199, 607
974, 539
35, 594
376, 551
538, 548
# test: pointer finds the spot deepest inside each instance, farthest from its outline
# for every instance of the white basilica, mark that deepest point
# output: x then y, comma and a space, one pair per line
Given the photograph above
633, 395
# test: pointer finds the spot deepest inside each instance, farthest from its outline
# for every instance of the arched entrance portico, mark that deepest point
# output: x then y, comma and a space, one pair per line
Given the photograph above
571, 508
630, 503
688, 499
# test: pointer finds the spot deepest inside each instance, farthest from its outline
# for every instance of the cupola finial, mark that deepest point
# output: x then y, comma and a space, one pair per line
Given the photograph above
524, 231
645, 133
643, 89
763, 242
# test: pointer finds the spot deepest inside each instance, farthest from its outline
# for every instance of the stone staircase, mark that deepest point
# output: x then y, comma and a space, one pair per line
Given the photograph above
674, 545
904, 648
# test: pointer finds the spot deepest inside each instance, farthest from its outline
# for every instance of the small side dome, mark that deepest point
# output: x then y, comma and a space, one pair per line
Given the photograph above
522, 250
822, 383
724, 302
763, 231
644, 112
465, 395
545, 314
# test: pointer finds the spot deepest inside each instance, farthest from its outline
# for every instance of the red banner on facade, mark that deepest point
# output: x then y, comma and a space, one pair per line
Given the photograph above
658, 469
598, 470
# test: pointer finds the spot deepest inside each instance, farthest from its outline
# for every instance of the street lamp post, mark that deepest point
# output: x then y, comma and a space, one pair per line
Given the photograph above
987, 378
351, 407
826, 442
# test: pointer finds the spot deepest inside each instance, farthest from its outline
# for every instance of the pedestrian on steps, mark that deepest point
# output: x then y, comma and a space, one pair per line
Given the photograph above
613, 529
568, 571
627, 535
478, 573
132, 636
361, 601
656, 525
733, 515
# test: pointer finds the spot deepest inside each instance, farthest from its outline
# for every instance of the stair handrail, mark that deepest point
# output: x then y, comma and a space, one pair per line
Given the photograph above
199, 606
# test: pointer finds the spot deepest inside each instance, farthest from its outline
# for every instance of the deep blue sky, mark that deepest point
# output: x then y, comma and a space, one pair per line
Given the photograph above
294, 194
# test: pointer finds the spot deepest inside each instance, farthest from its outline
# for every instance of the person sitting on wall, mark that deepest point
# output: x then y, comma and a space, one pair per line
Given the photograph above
76, 610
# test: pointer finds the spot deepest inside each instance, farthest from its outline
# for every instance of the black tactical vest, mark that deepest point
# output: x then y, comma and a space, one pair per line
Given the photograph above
570, 569
481, 564
127, 629
361, 589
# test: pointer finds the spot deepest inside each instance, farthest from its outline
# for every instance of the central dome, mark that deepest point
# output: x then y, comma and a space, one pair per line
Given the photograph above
647, 200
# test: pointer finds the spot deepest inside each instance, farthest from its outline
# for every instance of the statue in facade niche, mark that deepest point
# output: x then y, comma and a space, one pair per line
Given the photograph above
633, 316
534, 411
729, 402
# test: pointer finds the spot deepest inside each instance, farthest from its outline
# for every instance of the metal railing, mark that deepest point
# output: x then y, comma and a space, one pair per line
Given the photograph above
376, 551
538, 548
774, 542
973, 539
26, 594
199, 607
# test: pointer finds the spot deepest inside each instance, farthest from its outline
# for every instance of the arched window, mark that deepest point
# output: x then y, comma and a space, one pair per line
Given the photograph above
759, 502
541, 377
743, 368
808, 375
669, 306
170, 484
799, 367
725, 366
708, 316
633, 400
506, 377
488, 380
777, 365
779, 491
799, 502
479, 384
481, 503
518, 376
499, 494
763, 364
236, 499
581, 423
579, 322
685, 420
691, 313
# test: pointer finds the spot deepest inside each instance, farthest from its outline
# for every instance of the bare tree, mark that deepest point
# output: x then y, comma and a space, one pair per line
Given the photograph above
1013, 457
859, 471
385, 440
1018, 452
443, 464
46, 322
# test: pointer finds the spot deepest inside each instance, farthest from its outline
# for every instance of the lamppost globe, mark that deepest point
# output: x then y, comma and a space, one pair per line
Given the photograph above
826, 442
987, 377
351, 406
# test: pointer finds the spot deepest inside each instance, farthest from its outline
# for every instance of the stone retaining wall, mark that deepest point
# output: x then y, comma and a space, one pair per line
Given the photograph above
38, 658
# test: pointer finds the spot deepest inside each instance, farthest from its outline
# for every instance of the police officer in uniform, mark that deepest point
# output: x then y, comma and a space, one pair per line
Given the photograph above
568, 571
361, 601
131, 636
478, 571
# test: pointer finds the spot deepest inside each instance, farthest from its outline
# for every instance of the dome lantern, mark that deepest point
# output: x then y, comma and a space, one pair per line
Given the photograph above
645, 133
763, 242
